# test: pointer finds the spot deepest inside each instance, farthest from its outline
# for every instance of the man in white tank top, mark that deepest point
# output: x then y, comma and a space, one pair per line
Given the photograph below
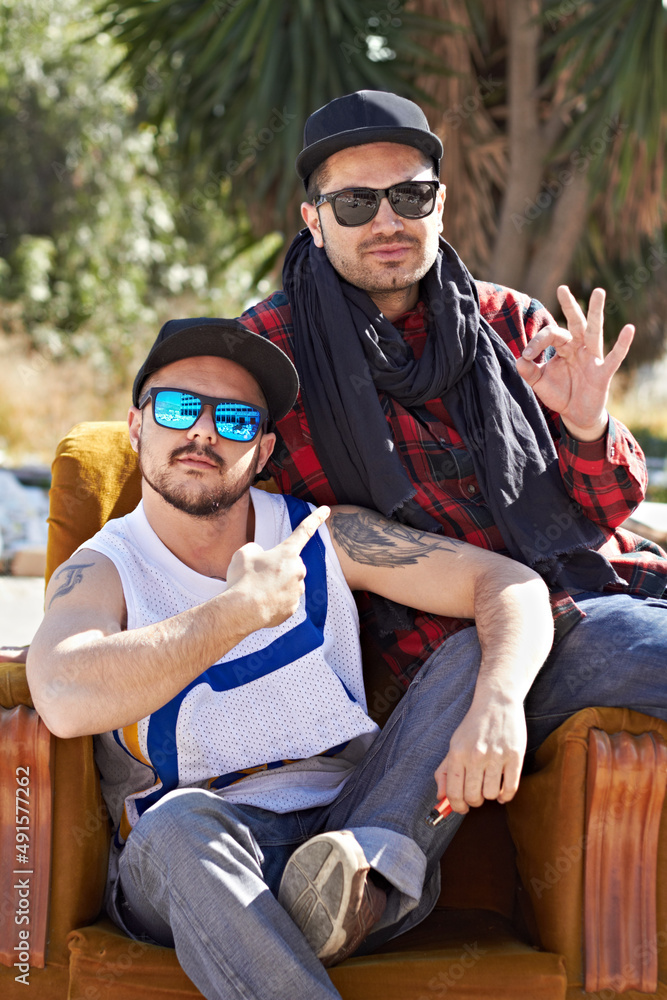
264, 826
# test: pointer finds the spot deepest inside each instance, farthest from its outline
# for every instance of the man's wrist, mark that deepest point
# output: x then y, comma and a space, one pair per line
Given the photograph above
501, 691
596, 432
241, 613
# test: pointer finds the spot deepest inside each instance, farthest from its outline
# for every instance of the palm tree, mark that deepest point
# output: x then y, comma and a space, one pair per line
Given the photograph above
553, 116
556, 125
239, 78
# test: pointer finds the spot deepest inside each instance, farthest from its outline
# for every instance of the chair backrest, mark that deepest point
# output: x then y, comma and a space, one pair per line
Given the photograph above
95, 477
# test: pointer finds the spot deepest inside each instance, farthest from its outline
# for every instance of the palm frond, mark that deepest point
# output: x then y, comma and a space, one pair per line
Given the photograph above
239, 79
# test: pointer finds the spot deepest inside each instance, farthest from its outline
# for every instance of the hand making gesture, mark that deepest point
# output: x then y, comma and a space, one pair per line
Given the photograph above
273, 580
575, 382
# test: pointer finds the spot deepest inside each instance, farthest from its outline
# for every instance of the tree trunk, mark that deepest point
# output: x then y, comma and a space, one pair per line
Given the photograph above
551, 262
526, 143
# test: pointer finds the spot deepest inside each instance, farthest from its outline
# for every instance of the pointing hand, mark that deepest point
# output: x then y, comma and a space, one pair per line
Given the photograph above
273, 580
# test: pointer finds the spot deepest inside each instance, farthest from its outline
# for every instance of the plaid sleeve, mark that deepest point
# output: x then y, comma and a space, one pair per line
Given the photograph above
607, 477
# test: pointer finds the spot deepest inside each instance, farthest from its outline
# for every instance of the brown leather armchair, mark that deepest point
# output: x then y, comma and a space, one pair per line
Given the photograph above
564, 888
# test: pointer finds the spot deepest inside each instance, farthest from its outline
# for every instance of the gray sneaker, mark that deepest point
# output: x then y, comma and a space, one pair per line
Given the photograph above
326, 891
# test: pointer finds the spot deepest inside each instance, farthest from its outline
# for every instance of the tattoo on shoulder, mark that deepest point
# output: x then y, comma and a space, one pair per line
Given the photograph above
371, 540
72, 575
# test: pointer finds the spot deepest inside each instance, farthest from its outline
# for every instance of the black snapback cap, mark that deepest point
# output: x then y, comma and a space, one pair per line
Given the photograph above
366, 116
225, 338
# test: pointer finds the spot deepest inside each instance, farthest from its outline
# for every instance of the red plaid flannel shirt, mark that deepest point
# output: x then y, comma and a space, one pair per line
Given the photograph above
607, 477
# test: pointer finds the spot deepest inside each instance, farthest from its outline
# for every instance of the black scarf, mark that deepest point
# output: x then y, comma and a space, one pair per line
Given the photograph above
346, 351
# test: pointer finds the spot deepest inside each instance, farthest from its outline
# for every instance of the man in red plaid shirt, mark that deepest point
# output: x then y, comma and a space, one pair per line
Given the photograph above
460, 406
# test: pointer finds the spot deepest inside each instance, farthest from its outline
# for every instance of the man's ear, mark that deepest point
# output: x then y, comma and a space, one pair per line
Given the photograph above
441, 197
134, 419
311, 217
266, 446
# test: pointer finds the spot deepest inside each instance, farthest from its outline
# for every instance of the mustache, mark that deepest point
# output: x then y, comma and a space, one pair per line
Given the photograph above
192, 449
379, 241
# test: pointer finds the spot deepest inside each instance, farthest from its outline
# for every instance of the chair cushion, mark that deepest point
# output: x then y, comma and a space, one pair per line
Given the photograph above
50, 983
482, 960
26, 751
14, 688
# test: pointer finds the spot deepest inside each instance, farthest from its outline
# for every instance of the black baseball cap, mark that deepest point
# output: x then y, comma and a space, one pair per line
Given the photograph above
225, 338
367, 116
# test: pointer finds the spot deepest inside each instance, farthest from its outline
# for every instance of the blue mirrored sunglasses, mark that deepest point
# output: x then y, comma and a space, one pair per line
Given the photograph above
180, 410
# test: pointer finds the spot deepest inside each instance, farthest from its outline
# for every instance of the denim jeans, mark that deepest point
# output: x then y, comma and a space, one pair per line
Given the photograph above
201, 875
615, 657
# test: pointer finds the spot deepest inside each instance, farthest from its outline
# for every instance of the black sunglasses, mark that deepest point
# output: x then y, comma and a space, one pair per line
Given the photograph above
357, 206
180, 410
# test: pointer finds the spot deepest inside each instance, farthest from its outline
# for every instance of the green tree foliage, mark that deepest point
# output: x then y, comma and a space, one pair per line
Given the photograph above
555, 123
93, 232
597, 116
120, 188
553, 114
240, 77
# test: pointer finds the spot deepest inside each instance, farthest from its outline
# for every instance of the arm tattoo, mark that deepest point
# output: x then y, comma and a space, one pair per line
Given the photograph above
73, 575
371, 540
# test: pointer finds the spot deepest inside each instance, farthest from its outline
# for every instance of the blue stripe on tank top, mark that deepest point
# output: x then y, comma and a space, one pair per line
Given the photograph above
285, 649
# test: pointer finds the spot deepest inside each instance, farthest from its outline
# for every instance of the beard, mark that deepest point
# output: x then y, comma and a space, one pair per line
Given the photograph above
401, 276
209, 502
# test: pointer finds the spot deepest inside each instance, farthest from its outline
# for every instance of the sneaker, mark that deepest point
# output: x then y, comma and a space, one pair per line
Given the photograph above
326, 891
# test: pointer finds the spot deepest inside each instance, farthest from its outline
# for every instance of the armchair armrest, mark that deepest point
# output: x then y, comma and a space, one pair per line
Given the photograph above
554, 832
78, 828
25, 837
624, 798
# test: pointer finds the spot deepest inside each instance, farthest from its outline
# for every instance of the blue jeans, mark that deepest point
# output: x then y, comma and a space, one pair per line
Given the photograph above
201, 875
615, 657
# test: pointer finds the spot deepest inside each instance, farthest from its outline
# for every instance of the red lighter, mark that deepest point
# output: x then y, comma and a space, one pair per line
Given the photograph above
442, 809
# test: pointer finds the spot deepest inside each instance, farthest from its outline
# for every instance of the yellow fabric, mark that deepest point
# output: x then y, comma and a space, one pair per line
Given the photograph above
476, 956
95, 477
14, 688
131, 737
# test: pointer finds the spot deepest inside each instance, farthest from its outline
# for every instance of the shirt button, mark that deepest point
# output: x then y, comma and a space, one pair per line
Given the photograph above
472, 488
